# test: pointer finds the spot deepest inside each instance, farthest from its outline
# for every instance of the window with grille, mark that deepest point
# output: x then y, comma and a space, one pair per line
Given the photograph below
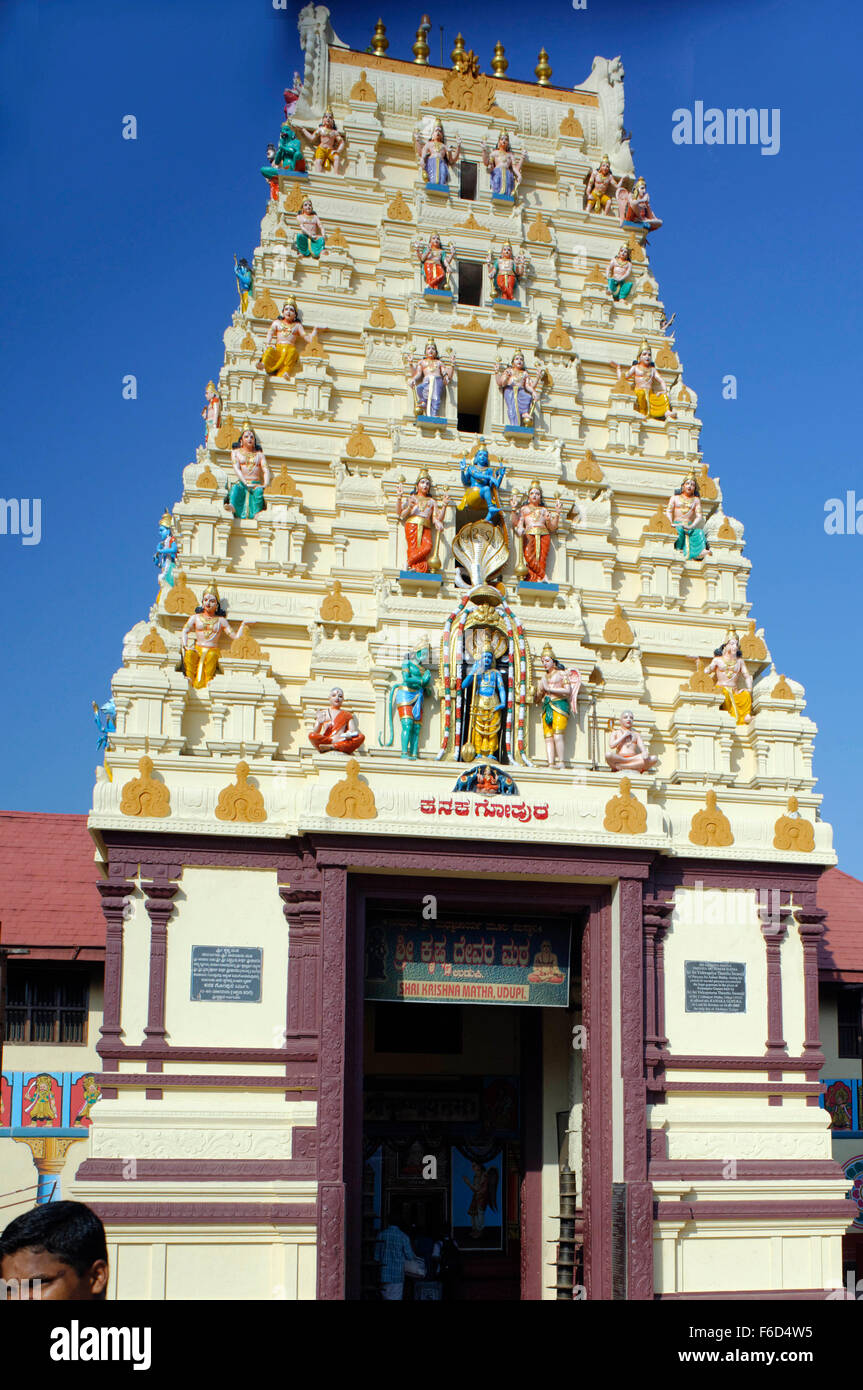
47, 1006
850, 1025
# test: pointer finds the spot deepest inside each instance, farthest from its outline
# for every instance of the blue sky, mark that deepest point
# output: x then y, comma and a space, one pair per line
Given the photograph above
119, 258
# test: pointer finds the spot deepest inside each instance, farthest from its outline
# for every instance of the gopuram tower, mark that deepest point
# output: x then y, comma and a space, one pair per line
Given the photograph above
460, 836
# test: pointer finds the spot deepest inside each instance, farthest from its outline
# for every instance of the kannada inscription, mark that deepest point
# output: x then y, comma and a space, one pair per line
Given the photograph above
226, 974
715, 987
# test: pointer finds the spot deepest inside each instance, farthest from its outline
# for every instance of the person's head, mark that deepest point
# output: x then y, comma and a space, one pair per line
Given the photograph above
626, 719
624, 254
211, 390
604, 167
210, 601
329, 120
645, 357
437, 133
503, 141
243, 264
640, 188
506, 249
337, 695
434, 240
518, 361
487, 659
60, 1244
534, 496
290, 312
481, 456
423, 485
308, 209
431, 349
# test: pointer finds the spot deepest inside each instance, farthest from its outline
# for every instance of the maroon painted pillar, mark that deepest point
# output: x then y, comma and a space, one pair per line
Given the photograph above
639, 1192
159, 903
810, 925
114, 895
331, 1092
597, 1005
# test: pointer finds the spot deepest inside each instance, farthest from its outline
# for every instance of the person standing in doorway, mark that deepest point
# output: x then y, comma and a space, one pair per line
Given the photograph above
396, 1257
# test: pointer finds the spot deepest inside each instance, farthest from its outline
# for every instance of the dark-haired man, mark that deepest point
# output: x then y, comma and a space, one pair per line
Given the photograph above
55, 1251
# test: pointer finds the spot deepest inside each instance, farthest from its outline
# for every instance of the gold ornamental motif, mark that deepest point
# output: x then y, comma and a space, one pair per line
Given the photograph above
710, 828
539, 230
467, 89
726, 531
240, 801
499, 63
558, 336
225, 434
399, 211
471, 225
782, 690
793, 831
144, 796
571, 125
543, 69
381, 316
635, 248
294, 198
699, 681
153, 644
335, 607
180, 598
265, 307
248, 344
380, 42
362, 90
595, 276
659, 525
753, 647
624, 814
706, 486
666, 359
245, 648
282, 484
352, 799
207, 479
337, 238
617, 630
359, 443
280, 234
473, 325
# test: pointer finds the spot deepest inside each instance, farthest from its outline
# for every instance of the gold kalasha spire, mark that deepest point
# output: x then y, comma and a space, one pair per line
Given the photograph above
458, 54
380, 42
543, 69
499, 63
421, 49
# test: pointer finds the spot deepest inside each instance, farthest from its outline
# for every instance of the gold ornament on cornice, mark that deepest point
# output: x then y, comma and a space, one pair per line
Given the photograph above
294, 198
571, 125
596, 276
471, 225
240, 801
753, 647
335, 607
473, 325
245, 648
666, 359
699, 681
153, 644
625, 814
635, 247
543, 69
381, 316
314, 349
659, 525
467, 89
588, 470
265, 307
617, 630
499, 63
225, 435
337, 238
726, 531
558, 336
362, 90
793, 831
706, 486
359, 444
539, 230
458, 55
352, 799
282, 484
710, 828
280, 234
144, 796
179, 598
782, 690
207, 479
398, 210
421, 49
248, 344
380, 42
684, 395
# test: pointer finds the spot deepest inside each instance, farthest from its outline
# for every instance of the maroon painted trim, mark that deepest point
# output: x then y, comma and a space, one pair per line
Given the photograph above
748, 1296
242, 1081
692, 1169
159, 905
596, 968
785, 1088
810, 926
703, 1061
531, 1186
301, 903
204, 1213
114, 895
195, 1169
731, 1211
331, 1187
774, 935
435, 857
639, 1194
294, 1050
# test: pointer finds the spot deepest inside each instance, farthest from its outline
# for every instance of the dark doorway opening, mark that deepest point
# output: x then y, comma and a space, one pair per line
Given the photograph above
470, 283
467, 187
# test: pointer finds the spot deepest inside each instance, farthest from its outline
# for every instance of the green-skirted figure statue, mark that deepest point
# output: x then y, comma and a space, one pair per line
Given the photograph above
406, 696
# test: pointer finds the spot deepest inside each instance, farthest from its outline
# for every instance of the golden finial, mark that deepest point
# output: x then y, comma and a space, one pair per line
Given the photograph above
457, 57
499, 63
380, 42
543, 69
421, 49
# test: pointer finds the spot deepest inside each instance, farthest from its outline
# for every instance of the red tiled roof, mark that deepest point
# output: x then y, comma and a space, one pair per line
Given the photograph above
840, 950
48, 878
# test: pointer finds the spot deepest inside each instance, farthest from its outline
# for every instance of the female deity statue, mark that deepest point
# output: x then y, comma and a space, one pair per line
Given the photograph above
600, 187
246, 496
684, 513
505, 167
557, 692
436, 157
406, 696
200, 638
328, 141
619, 273
436, 265
281, 353
505, 272
733, 679
310, 239
211, 414
245, 281
430, 378
165, 557
626, 750
534, 524
422, 517
484, 709
635, 209
336, 729
651, 392
520, 391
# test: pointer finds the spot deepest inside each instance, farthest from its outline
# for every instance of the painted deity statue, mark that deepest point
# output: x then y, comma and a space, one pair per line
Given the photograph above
534, 523
245, 281
336, 729
430, 378
484, 712
482, 481
600, 187
520, 391
685, 514
557, 692
42, 1109
436, 157
436, 263
406, 697
423, 520
311, 238
733, 679
505, 272
329, 143
504, 167
200, 638
634, 207
486, 780
626, 750
619, 274
281, 355
165, 557
288, 154
651, 392
105, 717
212, 414
246, 496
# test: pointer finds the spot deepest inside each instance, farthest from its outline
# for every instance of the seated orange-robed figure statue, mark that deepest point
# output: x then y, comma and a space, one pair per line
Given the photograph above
336, 729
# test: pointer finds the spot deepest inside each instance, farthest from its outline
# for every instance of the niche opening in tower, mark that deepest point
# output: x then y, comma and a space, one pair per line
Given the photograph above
472, 401
467, 187
470, 283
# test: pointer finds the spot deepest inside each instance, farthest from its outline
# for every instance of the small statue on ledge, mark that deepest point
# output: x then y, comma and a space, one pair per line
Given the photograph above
212, 414
435, 263
600, 186
436, 157
200, 638
310, 239
246, 497
619, 274
245, 281
684, 513
336, 729
281, 355
733, 679
635, 209
481, 481
406, 697
329, 143
651, 392
505, 272
430, 379
626, 750
505, 167
557, 692
485, 706
520, 392
423, 520
165, 558
534, 523
486, 780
